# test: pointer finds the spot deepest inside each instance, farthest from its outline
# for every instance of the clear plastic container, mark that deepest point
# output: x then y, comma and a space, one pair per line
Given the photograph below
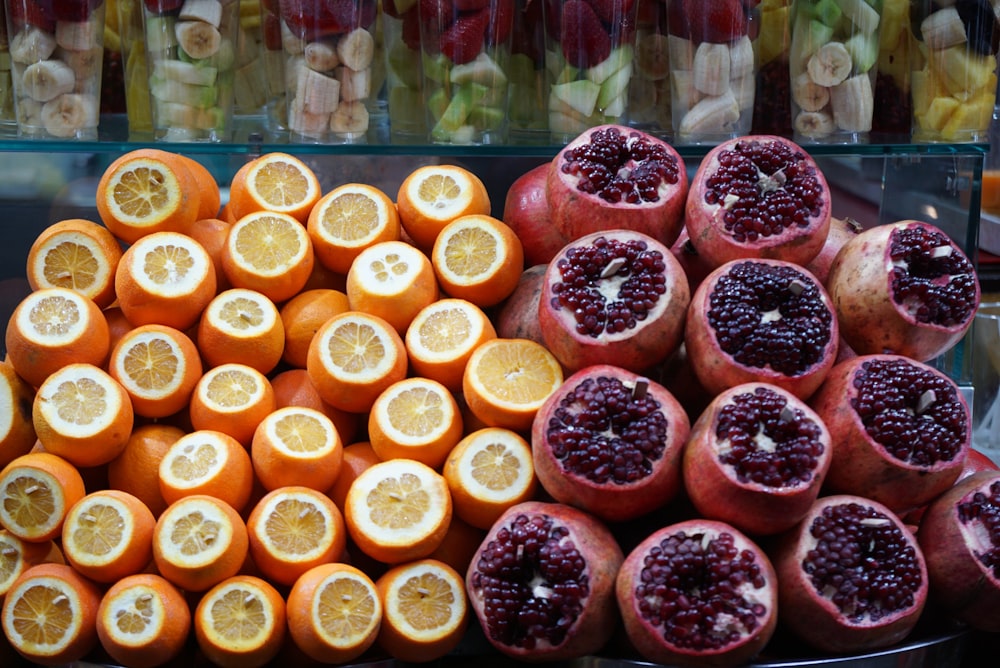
404, 76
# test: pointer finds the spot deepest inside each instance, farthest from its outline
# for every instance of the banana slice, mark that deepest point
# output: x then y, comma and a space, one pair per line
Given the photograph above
79, 35
683, 93
356, 49
808, 95
741, 58
830, 65
85, 65
305, 122
317, 93
814, 124
68, 114
711, 68
29, 114
207, 11
198, 39
184, 72
321, 55
354, 84
942, 29
652, 56
853, 103
47, 80
350, 118
290, 42
32, 45
711, 114
680, 52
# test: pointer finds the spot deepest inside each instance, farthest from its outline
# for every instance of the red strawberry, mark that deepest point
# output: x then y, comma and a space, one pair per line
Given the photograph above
719, 21
29, 12
612, 11
500, 23
585, 41
463, 40
311, 19
437, 12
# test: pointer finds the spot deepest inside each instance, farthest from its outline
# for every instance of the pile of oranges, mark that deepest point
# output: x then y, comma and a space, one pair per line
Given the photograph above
276, 426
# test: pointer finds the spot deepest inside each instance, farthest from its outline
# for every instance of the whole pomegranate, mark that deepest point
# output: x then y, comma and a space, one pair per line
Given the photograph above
756, 459
615, 177
960, 536
841, 231
616, 297
758, 196
851, 576
698, 593
901, 429
517, 316
609, 441
761, 320
526, 211
696, 268
542, 582
903, 288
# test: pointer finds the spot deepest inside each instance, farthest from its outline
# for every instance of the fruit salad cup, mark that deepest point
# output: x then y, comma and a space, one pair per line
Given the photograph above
649, 90
272, 61
893, 107
832, 65
954, 78
329, 54
133, 38
528, 94
712, 73
191, 56
8, 117
404, 77
771, 103
465, 60
56, 52
249, 88
589, 50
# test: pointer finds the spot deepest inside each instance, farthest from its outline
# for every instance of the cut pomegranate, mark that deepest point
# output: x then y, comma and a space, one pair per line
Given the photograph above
698, 593
759, 196
901, 429
851, 576
761, 320
756, 459
609, 441
903, 288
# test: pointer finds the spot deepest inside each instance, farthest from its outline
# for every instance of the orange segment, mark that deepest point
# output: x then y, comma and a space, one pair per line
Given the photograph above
478, 258
296, 446
17, 431
137, 469
415, 418
240, 622
275, 182
303, 315
432, 196
392, 280
36, 492
441, 339
349, 219
143, 621
233, 399
158, 366
270, 253
108, 535
241, 326
208, 463
77, 254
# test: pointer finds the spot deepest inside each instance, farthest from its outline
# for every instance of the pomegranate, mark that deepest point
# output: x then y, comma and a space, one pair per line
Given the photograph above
698, 593
609, 441
758, 196
756, 459
960, 537
851, 576
696, 268
761, 320
526, 211
841, 231
903, 288
542, 582
615, 177
678, 376
517, 316
616, 297
901, 429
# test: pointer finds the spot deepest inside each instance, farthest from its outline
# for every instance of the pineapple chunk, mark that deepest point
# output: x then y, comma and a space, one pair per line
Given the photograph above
962, 72
970, 118
938, 113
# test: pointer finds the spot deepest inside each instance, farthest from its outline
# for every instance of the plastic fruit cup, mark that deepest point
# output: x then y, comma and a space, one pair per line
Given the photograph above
832, 65
529, 78
191, 57
56, 58
272, 63
133, 40
893, 108
771, 111
649, 89
8, 117
404, 77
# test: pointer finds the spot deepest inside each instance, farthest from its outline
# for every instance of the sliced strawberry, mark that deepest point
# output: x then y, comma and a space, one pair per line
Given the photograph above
584, 40
612, 11
677, 23
438, 12
500, 23
311, 19
411, 29
464, 39
29, 12
720, 21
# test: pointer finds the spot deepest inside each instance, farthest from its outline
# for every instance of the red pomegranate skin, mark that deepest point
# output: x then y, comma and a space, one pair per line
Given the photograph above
591, 627
517, 316
841, 231
696, 268
678, 376
577, 213
578, 424
863, 465
526, 211
956, 541
872, 322
726, 214
756, 598
726, 487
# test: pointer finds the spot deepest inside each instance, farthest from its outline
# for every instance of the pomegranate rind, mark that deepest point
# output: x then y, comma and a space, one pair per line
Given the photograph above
717, 370
596, 624
649, 641
860, 464
647, 344
517, 316
705, 222
610, 501
841, 231
813, 617
860, 285
959, 581
715, 489
575, 213
526, 211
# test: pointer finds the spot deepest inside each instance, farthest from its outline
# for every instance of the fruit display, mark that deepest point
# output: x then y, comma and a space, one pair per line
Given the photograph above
404, 73
362, 425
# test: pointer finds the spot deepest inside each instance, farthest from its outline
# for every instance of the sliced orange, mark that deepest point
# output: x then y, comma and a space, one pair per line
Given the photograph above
296, 446
303, 315
415, 418
53, 327
165, 278
478, 258
293, 529
198, 542
270, 253
489, 471
357, 457
36, 492
83, 415
17, 430
275, 182
432, 196
50, 615
392, 280
77, 254
349, 219
425, 612
137, 469
507, 380
233, 399
398, 510
158, 366
143, 621
241, 326
209, 200
17, 556
211, 233
353, 357
108, 535
209, 463
292, 387
441, 338
334, 613
145, 191
240, 622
